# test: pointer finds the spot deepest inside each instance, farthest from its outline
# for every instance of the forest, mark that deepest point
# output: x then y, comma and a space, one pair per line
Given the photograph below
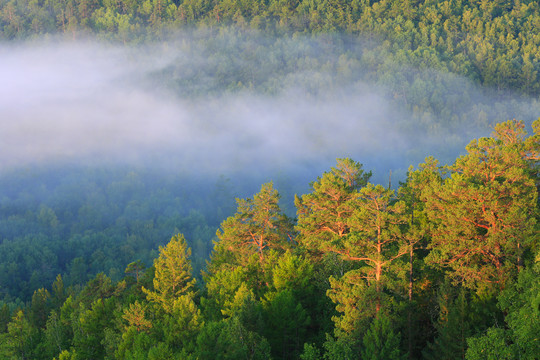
444, 267
492, 42
269, 179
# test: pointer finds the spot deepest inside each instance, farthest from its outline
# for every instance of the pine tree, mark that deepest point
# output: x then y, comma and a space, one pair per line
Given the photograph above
380, 341
376, 237
323, 214
483, 213
361, 223
173, 276
519, 339
135, 268
136, 317
286, 324
452, 327
182, 325
258, 226
20, 338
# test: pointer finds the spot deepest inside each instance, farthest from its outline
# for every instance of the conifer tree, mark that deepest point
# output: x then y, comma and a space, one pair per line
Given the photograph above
20, 340
57, 333
453, 326
39, 308
182, 325
376, 237
483, 213
5, 317
173, 276
519, 338
286, 324
380, 341
136, 269
323, 214
258, 226
136, 317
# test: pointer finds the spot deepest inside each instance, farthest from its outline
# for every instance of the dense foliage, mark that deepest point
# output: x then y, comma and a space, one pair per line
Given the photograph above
446, 267
492, 42
47, 228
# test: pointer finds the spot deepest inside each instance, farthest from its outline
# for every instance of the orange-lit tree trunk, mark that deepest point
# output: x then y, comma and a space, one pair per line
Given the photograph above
360, 222
376, 235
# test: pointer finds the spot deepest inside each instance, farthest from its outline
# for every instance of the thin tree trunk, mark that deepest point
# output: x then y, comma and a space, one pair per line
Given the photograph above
378, 287
409, 315
378, 270
519, 259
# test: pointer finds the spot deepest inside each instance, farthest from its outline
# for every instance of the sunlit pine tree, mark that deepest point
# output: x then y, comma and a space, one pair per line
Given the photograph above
258, 226
173, 276
323, 214
484, 212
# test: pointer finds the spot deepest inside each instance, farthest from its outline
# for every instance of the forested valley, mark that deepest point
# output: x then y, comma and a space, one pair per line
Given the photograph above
269, 179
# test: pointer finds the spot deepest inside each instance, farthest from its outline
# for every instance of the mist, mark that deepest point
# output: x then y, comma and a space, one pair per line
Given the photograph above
234, 105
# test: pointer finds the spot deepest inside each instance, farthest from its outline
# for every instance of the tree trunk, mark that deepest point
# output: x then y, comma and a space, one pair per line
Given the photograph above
409, 315
378, 271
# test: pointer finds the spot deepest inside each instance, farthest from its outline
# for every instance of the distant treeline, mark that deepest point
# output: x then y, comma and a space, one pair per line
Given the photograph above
495, 43
446, 267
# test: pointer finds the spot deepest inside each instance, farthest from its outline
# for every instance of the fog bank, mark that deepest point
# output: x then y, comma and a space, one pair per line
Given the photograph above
177, 105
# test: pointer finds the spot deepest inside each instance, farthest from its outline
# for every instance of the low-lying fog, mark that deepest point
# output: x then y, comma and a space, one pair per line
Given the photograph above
223, 105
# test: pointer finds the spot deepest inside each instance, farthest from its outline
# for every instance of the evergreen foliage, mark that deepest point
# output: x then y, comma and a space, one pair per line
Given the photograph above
450, 259
282, 305
380, 341
173, 274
